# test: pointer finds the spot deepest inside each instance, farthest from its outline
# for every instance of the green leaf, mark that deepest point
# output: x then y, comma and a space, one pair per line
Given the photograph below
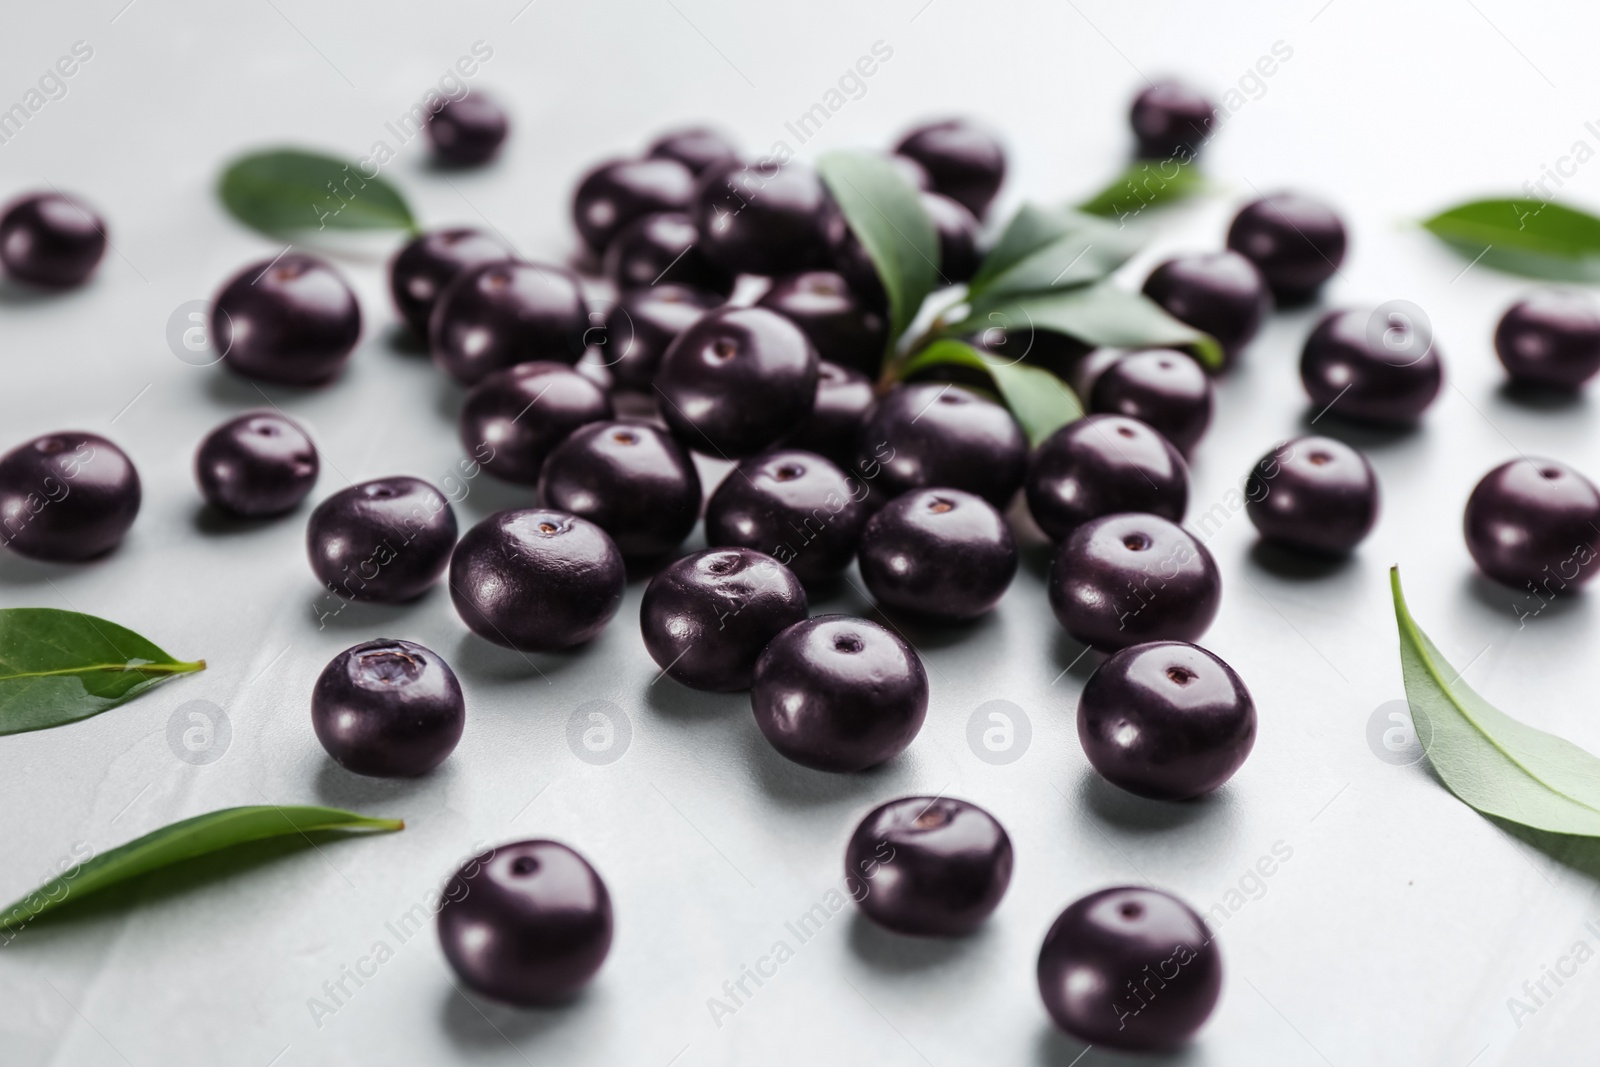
284, 190
1527, 237
1039, 400
886, 216
1051, 249
1486, 758
58, 667
1102, 316
181, 841
1145, 184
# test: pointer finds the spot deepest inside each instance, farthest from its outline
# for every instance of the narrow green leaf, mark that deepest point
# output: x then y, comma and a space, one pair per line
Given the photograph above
1145, 184
1527, 237
285, 190
1051, 249
1100, 315
1041, 402
1486, 758
887, 218
181, 841
58, 667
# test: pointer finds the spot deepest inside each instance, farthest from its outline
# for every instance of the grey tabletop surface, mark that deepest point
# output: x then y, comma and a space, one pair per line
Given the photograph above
1365, 915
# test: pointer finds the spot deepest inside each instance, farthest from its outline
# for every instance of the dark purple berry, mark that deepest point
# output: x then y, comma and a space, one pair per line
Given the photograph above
1220, 293
663, 249
708, 616
630, 479
1165, 389
938, 553
536, 579
937, 434
386, 540
736, 381
1103, 465
696, 147
1371, 367
1166, 720
1130, 968
842, 329
527, 923
514, 418
795, 506
293, 320
848, 258
1550, 338
50, 240
963, 161
388, 709
1316, 494
501, 314
837, 693
1122, 580
261, 463
844, 397
928, 866
467, 132
914, 173
422, 269
958, 237
1295, 241
1172, 121
642, 326
615, 193
66, 497
764, 218
1534, 523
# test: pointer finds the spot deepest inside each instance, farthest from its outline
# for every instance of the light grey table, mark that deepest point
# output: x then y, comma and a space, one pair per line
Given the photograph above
1395, 924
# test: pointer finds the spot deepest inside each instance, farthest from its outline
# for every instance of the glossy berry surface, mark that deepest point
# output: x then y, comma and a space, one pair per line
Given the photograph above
630, 479
1220, 293
1296, 242
843, 399
427, 264
1172, 120
928, 866
842, 328
1532, 523
536, 579
1102, 465
514, 418
795, 506
386, 540
708, 616
1164, 389
937, 434
1360, 366
736, 381
66, 497
1096, 963
467, 132
642, 325
615, 193
526, 923
501, 314
388, 709
1315, 494
958, 237
938, 553
51, 240
663, 248
1550, 338
293, 321
696, 147
257, 464
1166, 720
838, 693
1122, 580
762, 218
963, 161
